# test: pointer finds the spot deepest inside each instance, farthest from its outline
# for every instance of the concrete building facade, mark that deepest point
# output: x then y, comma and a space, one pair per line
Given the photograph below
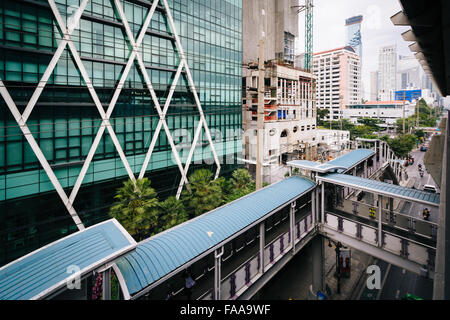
290, 114
279, 21
386, 111
387, 73
374, 86
338, 74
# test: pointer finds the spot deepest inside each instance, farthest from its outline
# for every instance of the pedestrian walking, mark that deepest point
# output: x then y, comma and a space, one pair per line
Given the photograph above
189, 283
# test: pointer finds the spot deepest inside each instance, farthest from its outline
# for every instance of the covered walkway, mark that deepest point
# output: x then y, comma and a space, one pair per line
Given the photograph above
45, 272
340, 164
382, 188
164, 255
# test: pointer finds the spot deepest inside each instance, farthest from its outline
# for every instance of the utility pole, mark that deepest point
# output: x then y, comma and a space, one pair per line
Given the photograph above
260, 112
404, 92
418, 110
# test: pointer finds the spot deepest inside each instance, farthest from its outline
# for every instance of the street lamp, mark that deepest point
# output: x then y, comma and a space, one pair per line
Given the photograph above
338, 246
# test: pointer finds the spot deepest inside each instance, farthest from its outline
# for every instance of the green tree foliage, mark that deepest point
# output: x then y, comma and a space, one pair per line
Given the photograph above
241, 183
427, 117
136, 208
402, 145
321, 114
171, 213
204, 195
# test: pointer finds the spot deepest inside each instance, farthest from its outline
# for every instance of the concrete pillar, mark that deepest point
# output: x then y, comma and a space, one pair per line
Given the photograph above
366, 174
322, 207
317, 204
106, 285
318, 282
217, 273
262, 244
292, 225
380, 224
313, 206
354, 171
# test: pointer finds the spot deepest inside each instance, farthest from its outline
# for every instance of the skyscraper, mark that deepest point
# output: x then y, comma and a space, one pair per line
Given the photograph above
387, 72
374, 86
81, 113
338, 74
353, 25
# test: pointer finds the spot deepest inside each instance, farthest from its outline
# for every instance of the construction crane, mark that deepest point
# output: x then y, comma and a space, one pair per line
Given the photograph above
308, 7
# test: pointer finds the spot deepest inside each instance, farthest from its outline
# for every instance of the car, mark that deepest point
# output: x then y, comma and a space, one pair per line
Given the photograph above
423, 148
429, 188
410, 296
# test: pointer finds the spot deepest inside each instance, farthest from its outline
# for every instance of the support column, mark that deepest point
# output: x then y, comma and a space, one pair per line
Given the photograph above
106, 284
317, 204
318, 282
354, 171
380, 225
323, 202
365, 169
313, 206
262, 244
217, 273
292, 226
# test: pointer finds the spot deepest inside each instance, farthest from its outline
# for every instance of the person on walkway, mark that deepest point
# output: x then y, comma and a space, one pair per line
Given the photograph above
189, 283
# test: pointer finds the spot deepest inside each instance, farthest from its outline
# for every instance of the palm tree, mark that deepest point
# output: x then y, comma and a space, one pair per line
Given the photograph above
241, 184
136, 208
205, 193
171, 213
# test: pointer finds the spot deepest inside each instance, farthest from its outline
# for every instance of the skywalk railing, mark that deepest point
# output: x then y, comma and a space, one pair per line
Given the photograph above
238, 281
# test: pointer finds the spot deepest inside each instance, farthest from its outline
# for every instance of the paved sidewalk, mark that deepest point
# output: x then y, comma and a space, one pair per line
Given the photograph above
359, 263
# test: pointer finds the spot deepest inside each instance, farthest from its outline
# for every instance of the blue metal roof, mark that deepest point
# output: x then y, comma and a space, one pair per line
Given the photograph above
350, 159
163, 253
346, 161
383, 188
44, 271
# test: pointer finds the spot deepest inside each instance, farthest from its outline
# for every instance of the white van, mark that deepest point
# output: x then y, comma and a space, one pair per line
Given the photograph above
429, 188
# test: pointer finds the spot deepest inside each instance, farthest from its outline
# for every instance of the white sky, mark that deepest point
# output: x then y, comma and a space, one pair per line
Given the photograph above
377, 30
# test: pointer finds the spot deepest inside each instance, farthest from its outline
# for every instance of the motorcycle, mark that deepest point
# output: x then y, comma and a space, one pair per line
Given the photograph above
421, 174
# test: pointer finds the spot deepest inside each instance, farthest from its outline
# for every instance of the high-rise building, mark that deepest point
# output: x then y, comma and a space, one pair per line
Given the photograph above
387, 73
409, 73
354, 40
84, 106
279, 22
338, 74
374, 85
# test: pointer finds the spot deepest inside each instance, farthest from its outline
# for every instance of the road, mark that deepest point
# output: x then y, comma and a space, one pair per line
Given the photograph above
397, 282
418, 182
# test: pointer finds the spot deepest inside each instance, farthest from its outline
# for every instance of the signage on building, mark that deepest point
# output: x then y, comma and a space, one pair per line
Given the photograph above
408, 95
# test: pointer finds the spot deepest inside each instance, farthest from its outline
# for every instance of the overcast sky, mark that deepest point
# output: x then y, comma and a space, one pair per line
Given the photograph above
377, 29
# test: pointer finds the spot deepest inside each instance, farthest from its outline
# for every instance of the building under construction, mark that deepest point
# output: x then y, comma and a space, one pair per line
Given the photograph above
289, 115
289, 92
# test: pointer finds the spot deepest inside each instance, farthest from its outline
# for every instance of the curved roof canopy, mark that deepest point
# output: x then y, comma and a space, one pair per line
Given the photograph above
383, 188
178, 247
45, 271
339, 164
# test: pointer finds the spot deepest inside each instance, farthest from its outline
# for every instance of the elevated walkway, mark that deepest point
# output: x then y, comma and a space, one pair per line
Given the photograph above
162, 256
43, 273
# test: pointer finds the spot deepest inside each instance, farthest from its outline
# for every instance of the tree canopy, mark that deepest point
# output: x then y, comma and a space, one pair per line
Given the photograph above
136, 208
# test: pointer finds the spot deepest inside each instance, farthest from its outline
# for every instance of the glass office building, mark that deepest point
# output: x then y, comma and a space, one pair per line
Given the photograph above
353, 25
65, 119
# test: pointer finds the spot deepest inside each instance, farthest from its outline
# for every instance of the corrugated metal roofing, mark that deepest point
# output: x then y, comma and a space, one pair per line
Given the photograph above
347, 161
45, 270
350, 159
163, 253
383, 188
